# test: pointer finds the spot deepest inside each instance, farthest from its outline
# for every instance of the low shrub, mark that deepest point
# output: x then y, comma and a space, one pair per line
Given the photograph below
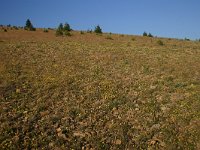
45, 30
159, 42
109, 38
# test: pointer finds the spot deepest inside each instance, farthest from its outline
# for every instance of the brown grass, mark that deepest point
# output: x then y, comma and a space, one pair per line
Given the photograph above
89, 92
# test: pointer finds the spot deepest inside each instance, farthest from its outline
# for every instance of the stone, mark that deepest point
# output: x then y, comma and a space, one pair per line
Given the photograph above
118, 142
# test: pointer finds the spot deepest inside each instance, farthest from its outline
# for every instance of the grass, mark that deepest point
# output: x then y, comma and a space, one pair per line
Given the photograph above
88, 92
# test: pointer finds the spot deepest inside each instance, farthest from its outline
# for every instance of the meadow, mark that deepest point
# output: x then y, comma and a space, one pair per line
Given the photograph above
91, 91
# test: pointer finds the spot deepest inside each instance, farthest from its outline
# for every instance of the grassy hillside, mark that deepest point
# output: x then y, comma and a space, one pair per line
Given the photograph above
93, 91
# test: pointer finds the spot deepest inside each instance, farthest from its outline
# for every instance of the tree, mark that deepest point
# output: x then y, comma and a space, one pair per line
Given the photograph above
59, 31
67, 27
29, 26
150, 35
144, 34
98, 29
60, 27
63, 30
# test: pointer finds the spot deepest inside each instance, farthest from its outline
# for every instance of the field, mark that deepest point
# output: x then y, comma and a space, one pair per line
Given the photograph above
91, 91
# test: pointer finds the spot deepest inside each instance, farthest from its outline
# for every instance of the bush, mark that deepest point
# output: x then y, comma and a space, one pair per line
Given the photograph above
81, 32
89, 31
67, 33
144, 34
109, 37
15, 27
45, 30
133, 39
5, 30
59, 33
186, 39
160, 42
98, 30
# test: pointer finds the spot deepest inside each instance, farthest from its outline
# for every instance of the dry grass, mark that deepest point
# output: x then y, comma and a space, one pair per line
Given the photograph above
88, 92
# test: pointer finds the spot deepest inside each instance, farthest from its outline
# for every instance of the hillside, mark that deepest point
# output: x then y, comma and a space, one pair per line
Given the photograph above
91, 91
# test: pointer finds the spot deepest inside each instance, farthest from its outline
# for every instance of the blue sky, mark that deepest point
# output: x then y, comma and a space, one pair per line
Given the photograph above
165, 18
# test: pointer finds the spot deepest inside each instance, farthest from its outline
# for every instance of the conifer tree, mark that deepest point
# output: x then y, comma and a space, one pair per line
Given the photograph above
29, 26
98, 29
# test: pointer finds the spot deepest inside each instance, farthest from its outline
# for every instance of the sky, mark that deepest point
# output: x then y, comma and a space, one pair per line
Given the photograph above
163, 18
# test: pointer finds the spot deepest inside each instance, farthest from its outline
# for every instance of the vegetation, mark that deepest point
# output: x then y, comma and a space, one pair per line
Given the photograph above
160, 42
63, 30
81, 32
150, 35
186, 39
98, 30
89, 31
46, 30
67, 27
87, 92
109, 37
145, 34
29, 26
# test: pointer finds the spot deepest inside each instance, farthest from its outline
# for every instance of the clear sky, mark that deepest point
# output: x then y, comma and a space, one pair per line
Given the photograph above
165, 18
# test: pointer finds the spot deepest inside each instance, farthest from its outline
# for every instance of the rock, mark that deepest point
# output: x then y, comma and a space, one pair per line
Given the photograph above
58, 130
79, 134
44, 113
118, 142
136, 105
137, 109
153, 87
25, 112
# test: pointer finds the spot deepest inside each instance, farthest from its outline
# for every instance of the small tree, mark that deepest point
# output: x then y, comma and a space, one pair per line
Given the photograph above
29, 26
63, 30
67, 27
60, 27
98, 29
150, 35
144, 34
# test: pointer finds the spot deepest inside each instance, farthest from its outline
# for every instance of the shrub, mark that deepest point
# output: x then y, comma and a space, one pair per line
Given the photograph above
186, 39
59, 33
133, 39
5, 30
109, 38
144, 34
45, 30
81, 32
67, 33
98, 30
89, 31
150, 35
29, 26
15, 27
160, 42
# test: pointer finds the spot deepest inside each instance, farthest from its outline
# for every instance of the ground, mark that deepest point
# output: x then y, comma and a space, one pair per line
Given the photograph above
90, 91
